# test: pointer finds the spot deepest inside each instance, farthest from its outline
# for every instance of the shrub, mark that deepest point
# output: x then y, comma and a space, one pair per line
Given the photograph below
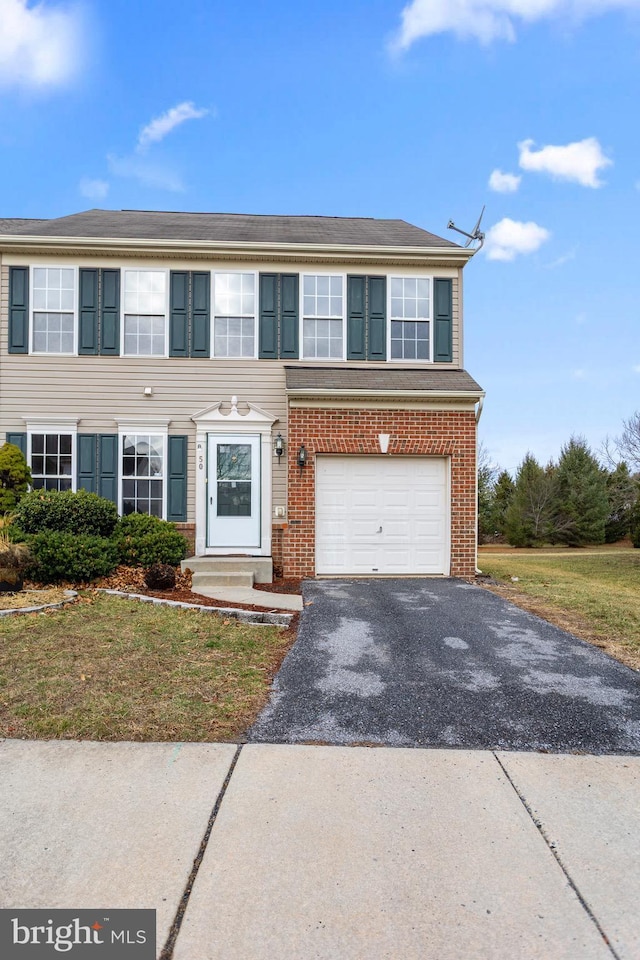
160, 576
15, 477
66, 512
58, 556
142, 540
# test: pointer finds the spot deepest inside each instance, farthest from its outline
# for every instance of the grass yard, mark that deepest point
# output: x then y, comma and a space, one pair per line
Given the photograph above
593, 593
111, 669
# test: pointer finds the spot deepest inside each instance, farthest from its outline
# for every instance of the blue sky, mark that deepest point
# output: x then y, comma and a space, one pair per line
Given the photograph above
426, 110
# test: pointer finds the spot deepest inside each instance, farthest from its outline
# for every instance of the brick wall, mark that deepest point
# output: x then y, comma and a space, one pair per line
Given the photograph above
439, 433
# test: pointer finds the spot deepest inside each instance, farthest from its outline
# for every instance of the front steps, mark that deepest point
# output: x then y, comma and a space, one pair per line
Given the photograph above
231, 579
211, 572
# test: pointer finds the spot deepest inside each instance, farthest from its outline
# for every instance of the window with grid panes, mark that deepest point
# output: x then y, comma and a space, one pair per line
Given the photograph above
323, 316
52, 461
234, 322
410, 318
53, 298
143, 474
145, 313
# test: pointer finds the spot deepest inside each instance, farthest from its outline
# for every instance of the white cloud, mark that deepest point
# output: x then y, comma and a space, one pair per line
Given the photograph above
487, 20
580, 161
509, 238
94, 189
40, 46
501, 182
147, 173
159, 128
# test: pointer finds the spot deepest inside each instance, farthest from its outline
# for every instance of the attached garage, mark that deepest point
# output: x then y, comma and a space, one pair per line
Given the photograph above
382, 515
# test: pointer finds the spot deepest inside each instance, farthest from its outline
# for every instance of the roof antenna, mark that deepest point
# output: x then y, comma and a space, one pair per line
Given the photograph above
476, 233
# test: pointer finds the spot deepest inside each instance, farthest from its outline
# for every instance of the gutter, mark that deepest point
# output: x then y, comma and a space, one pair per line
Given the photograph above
471, 395
17, 243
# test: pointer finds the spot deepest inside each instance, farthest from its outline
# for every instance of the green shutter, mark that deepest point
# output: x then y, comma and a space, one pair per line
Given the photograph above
18, 309
177, 479
289, 326
18, 440
377, 319
110, 313
268, 334
178, 314
356, 301
443, 321
201, 314
87, 461
108, 466
88, 334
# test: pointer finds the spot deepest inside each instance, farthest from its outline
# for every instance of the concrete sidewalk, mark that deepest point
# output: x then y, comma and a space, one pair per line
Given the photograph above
331, 852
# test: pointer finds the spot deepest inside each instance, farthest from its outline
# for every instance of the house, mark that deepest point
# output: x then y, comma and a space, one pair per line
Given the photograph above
285, 387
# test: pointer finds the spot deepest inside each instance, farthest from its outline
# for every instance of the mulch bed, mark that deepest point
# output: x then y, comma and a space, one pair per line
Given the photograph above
131, 580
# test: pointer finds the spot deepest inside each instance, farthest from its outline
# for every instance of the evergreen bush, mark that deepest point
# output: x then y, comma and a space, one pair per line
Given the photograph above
142, 540
78, 558
66, 512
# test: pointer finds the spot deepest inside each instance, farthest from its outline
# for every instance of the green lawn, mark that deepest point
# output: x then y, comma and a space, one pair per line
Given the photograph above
111, 669
598, 590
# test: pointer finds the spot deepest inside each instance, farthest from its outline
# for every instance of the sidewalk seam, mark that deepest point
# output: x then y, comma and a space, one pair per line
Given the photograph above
167, 950
538, 825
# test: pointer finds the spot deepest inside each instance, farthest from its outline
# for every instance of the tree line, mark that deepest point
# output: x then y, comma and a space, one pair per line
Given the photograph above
579, 500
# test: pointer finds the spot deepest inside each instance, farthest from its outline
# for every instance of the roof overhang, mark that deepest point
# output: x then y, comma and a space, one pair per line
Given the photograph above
207, 249
472, 396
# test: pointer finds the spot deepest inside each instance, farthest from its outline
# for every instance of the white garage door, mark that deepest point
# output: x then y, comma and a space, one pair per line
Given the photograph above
382, 515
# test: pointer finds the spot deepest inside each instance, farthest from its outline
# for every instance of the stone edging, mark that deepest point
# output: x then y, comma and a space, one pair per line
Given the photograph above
69, 598
247, 616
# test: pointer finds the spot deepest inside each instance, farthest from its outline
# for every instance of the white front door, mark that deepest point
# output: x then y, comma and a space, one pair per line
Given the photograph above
233, 491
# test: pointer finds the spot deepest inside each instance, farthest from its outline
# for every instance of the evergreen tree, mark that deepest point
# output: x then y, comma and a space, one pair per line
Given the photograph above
581, 506
528, 516
502, 497
622, 493
15, 477
486, 482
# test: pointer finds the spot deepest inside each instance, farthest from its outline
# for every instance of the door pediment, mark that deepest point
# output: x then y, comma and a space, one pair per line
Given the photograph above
227, 416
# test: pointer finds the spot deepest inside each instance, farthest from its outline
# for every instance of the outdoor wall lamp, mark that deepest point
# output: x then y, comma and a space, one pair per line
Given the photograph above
278, 446
302, 457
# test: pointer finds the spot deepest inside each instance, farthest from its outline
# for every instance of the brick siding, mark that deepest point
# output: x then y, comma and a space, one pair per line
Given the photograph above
438, 433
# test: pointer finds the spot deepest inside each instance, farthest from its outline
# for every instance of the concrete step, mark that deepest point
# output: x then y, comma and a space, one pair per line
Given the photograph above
260, 567
230, 579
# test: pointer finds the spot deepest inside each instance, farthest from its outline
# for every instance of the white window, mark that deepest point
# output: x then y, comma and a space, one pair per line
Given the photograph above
410, 318
234, 320
145, 313
53, 310
143, 473
322, 317
51, 461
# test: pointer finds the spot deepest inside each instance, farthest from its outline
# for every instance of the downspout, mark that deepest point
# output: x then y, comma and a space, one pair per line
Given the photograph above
478, 415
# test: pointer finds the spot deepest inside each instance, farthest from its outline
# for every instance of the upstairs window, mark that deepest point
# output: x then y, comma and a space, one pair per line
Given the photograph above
145, 313
53, 303
322, 317
234, 322
410, 318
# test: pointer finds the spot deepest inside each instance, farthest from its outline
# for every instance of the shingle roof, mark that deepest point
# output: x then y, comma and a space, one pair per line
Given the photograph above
372, 380
231, 228
19, 224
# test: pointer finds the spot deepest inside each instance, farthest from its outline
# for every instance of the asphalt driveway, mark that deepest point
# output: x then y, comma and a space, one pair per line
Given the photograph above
443, 663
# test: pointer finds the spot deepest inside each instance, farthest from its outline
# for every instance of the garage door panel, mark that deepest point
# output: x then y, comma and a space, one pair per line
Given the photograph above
406, 496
